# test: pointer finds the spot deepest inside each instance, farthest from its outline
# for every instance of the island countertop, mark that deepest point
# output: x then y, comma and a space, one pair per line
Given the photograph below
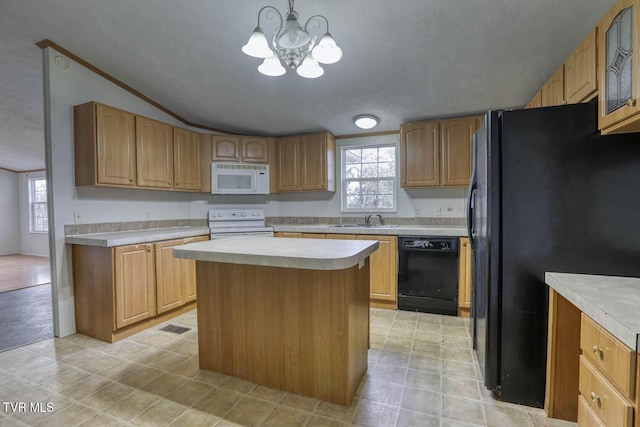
311, 254
610, 301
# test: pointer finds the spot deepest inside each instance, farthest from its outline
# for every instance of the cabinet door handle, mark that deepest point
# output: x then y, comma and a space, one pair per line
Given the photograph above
130, 179
595, 397
631, 102
598, 351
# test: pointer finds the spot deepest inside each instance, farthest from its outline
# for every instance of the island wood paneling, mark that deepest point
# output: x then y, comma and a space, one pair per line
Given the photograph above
304, 331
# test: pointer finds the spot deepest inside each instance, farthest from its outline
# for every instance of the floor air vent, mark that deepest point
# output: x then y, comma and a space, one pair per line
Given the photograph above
175, 329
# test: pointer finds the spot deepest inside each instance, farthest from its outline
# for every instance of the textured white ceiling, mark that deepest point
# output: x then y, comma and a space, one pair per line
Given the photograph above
403, 60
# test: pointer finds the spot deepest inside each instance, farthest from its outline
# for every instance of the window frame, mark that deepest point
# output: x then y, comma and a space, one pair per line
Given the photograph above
343, 179
32, 203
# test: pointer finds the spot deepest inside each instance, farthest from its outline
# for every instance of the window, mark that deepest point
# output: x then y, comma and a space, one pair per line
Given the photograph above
39, 218
369, 178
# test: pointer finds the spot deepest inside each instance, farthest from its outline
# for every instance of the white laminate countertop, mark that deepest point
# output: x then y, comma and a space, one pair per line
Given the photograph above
311, 254
121, 238
401, 230
613, 302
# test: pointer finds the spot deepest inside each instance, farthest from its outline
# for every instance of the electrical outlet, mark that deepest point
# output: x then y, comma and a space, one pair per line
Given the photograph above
416, 212
314, 211
147, 215
77, 218
437, 211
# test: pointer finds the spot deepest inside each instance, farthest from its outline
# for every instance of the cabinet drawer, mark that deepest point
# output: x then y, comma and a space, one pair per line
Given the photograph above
586, 416
610, 356
610, 406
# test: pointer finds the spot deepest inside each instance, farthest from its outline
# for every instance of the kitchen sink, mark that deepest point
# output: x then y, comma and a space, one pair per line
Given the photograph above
361, 226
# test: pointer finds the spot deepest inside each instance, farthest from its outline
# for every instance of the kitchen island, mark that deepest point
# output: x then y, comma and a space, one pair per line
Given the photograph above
291, 314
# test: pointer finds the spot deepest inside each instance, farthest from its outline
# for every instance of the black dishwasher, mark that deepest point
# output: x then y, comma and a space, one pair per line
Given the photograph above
428, 274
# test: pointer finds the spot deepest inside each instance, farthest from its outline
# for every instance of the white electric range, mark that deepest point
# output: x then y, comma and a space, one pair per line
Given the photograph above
238, 222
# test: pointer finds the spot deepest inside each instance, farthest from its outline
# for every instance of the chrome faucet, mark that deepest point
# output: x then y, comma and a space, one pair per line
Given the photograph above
380, 219
367, 219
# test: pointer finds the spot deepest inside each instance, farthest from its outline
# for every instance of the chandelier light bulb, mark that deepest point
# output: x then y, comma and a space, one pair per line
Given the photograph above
327, 51
310, 69
257, 46
272, 67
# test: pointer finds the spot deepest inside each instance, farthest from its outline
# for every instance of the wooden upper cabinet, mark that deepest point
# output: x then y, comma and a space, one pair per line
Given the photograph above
536, 101
254, 149
104, 145
618, 68
456, 135
288, 154
580, 71
317, 169
235, 148
225, 148
154, 152
134, 284
552, 92
187, 152
306, 162
420, 154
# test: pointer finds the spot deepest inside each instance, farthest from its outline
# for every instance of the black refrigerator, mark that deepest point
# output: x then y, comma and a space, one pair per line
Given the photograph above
548, 193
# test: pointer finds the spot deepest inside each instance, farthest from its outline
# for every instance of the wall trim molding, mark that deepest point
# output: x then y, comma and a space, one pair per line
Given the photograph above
27, 171
363, 135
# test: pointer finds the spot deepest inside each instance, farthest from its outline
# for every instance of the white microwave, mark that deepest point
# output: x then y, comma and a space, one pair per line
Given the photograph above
239, 178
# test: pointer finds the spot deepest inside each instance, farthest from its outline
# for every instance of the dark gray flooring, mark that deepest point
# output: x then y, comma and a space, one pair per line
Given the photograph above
25, 316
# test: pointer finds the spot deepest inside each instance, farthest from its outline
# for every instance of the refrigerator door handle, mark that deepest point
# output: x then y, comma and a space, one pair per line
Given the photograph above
473, 185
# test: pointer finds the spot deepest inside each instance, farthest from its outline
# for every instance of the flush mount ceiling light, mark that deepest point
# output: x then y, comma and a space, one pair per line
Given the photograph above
365, 121
293, 45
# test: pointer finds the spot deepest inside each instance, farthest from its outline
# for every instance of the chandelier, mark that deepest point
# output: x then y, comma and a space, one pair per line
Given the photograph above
293, 45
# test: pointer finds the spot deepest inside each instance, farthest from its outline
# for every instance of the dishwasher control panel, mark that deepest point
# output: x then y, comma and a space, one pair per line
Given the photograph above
428, 243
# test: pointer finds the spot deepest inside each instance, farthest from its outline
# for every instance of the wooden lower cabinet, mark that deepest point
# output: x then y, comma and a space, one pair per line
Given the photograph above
464, 278
121, 290
383, 271
592, 377
175, 277
135, 284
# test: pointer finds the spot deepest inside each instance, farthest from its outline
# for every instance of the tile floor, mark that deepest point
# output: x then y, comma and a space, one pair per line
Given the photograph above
421, 373
22, 326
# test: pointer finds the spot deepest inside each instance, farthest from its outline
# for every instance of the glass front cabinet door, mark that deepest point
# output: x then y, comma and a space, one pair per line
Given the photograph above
618, 68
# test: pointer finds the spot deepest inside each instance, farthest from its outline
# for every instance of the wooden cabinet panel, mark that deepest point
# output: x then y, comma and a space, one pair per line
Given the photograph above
288, 152
420, 154
383, 268
154, 152
614, 359
188, 272
536, 101
254, 149
134, 284
225, 148
580, 71
187, 160
104, 145
586, 416
617, 51
609, 405
341, 236
456, 150
287, 234
317, 154
464, 278
552, 92
169, 293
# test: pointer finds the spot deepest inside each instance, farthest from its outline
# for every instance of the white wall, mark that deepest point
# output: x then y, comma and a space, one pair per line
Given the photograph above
9, 213
411, 202
30, 243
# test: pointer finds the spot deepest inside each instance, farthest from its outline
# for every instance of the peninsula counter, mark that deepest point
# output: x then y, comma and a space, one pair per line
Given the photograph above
290, 314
